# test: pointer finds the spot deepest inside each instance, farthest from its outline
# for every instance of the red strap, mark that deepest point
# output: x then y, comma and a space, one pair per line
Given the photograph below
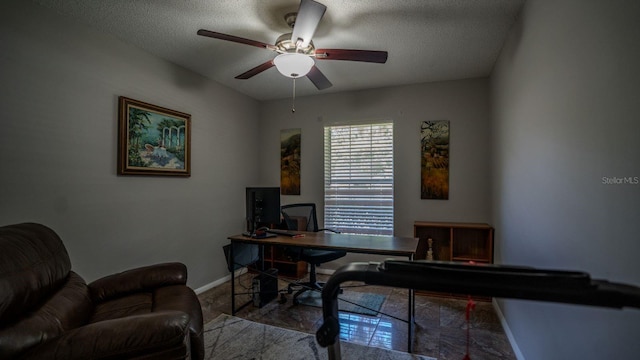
471, 305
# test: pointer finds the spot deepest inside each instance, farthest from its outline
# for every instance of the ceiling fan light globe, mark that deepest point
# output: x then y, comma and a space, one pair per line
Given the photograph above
293, 65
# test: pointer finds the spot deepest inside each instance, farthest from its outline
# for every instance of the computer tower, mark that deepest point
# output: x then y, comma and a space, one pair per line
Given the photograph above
265, 287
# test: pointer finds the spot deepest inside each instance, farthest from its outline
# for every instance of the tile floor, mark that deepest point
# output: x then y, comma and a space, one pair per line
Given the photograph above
440, 327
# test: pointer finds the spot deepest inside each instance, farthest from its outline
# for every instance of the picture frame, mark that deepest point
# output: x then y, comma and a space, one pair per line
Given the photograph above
435, 154
290, 149
152, 140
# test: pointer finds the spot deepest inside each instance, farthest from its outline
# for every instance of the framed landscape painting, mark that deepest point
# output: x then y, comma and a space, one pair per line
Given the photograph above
434, 169
152, 140
290, 161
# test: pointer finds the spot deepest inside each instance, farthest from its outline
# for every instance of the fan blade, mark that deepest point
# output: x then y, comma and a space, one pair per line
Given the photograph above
318, 79
256, 70
309, 15
236, 39
352, 55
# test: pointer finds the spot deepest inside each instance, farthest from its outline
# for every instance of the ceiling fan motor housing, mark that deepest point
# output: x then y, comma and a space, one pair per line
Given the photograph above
285, 45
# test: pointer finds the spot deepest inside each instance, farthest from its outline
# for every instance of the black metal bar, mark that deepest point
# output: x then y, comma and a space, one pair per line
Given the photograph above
232, 260
571, 287
411, 312
480, 280
328, 334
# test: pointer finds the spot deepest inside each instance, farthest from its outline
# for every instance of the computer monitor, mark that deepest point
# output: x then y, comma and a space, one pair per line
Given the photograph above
263, 207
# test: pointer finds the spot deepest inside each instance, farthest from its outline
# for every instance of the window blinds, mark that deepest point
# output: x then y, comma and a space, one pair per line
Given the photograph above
358, 178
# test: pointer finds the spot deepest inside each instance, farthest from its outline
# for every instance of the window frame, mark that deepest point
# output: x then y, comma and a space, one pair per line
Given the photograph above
359, 195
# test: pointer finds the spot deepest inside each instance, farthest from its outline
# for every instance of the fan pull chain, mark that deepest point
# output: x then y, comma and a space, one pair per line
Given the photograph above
293, 100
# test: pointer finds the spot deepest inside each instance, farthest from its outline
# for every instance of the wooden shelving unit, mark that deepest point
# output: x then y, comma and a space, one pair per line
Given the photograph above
455, 241
275, 257
451, 241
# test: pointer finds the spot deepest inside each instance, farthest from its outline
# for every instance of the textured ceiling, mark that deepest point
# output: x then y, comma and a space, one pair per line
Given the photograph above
427, 40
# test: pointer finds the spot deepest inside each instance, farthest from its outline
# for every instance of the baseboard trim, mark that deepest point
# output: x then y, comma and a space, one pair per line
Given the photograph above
507, 331
218, 282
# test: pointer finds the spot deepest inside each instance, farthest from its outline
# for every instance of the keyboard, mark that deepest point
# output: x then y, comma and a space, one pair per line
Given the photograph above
259, 235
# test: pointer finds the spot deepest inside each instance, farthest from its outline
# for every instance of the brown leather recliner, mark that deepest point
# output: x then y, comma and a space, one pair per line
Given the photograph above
48, 311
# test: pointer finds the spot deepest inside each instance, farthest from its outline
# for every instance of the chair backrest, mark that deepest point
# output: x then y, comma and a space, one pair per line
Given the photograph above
301, 217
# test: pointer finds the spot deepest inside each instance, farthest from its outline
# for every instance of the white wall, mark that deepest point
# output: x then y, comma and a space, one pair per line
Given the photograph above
464, 103
59, 90
565, 97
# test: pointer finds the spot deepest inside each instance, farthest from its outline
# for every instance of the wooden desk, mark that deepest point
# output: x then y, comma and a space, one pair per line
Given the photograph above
364, 244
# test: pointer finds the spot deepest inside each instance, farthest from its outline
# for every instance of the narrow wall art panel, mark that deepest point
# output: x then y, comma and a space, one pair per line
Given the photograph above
290, 161
434, 171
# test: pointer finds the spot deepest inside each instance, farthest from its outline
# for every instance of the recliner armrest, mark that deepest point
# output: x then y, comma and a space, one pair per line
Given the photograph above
163, 333
143, 278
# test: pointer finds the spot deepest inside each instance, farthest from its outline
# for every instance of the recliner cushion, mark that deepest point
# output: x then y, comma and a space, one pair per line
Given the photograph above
168, 298
144, 278
161, 335
33, 265
132, 304
175, 297
69, 308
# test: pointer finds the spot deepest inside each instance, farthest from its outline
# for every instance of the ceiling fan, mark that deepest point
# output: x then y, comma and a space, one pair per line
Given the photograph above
296, 51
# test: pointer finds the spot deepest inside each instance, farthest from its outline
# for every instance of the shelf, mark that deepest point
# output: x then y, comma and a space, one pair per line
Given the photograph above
276, 257
432, 224
453, 241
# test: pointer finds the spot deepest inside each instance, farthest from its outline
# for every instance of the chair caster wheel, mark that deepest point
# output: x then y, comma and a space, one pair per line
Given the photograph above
283, 299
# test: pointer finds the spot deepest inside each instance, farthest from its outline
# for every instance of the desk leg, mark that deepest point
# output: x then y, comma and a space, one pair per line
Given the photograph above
411, 316
233, 280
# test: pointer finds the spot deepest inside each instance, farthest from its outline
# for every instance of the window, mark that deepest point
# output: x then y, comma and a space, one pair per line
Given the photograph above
358, 178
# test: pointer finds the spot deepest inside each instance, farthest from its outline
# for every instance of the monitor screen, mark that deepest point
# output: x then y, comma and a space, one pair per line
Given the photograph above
263, 207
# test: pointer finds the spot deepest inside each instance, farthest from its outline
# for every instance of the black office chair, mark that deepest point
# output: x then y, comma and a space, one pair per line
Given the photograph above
302, 217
